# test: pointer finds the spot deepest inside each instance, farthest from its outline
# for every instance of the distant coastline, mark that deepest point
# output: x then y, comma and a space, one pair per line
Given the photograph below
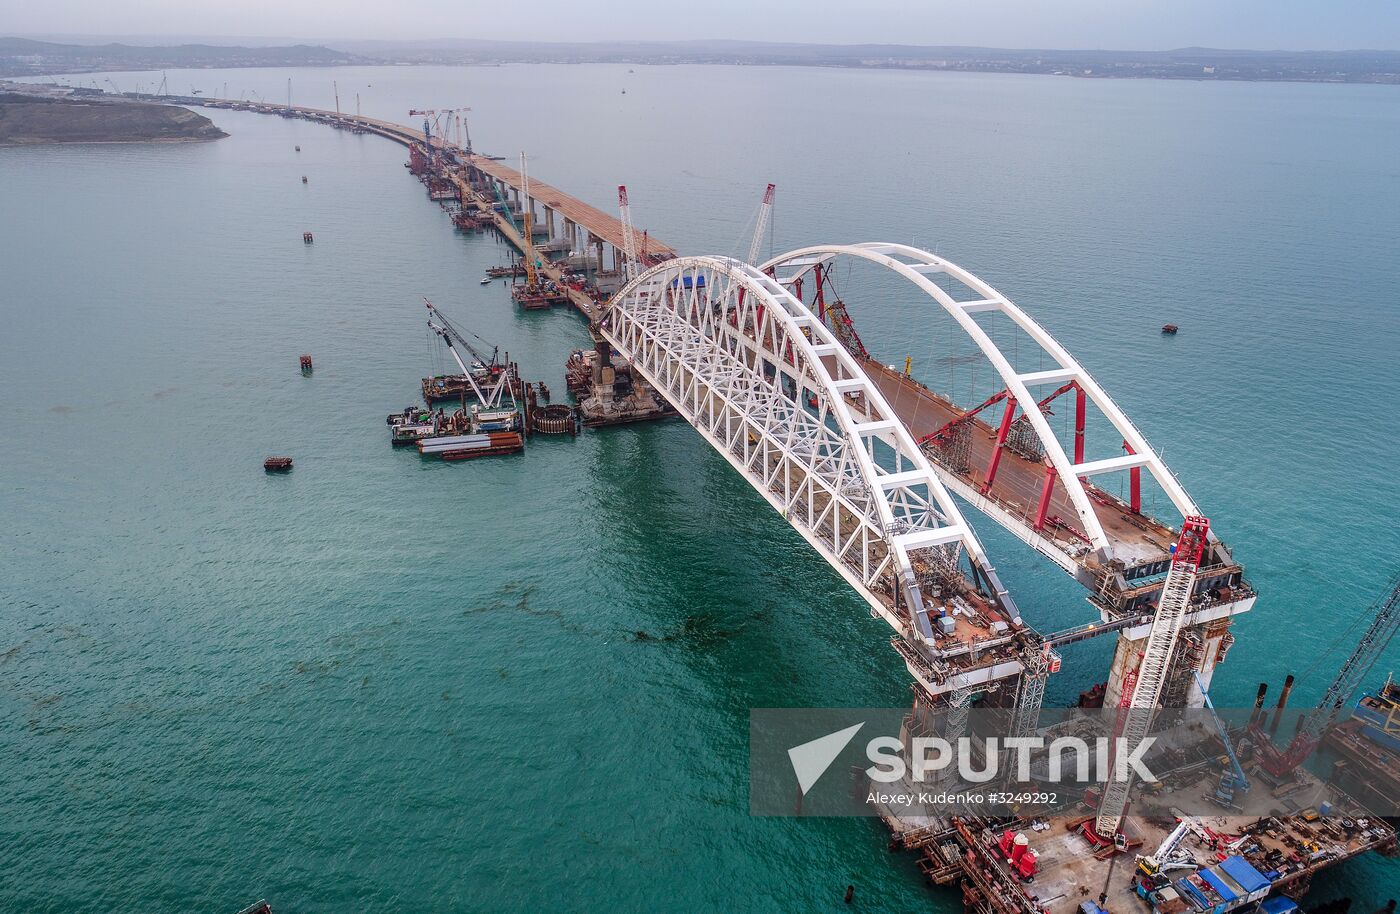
25, 57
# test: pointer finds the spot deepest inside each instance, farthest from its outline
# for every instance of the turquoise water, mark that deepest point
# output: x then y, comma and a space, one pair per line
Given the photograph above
378, 682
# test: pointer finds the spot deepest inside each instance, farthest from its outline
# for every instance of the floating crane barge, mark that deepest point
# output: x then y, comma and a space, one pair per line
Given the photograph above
1171, 617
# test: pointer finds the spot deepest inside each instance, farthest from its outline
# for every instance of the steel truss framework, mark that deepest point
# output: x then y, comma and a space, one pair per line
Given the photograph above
918, 266
769, 387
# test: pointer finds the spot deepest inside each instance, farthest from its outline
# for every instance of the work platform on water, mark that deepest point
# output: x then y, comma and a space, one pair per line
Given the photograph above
862, 459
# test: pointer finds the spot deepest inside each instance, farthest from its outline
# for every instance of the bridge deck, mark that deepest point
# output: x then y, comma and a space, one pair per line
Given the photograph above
602, 225
1018, 481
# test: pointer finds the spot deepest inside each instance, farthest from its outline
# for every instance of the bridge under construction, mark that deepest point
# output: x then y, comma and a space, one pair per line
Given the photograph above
868, 464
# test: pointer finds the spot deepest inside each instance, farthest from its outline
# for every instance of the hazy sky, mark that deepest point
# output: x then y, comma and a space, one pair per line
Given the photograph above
1118, 24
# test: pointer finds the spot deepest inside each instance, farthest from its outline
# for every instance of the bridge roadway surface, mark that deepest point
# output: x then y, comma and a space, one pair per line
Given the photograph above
1017, 486
1018, 482
602, 225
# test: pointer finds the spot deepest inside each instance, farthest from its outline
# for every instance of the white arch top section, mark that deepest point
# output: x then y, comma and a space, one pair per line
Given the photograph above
917, 266
769, 387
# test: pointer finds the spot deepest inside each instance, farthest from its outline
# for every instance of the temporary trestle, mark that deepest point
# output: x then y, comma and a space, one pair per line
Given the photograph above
773, 391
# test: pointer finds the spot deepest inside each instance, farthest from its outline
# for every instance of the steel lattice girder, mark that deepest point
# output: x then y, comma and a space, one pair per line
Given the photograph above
917, 266
737, 355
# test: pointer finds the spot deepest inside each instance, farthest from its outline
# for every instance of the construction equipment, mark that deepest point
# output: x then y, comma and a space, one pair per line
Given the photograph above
1156, 660
1280, 762
764, 211
531, 277
1234, 779
833, 313
492, 363
1165, 856
464, 133
488, 371
427, 131
629, 236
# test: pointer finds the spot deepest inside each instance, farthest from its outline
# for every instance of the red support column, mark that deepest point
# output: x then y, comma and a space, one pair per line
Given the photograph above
1079, 402
1046, 488
797, 288
1134, 483
820, 300
1007, 415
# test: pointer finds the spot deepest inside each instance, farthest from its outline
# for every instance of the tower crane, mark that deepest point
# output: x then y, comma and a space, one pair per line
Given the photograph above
1279, 762
1156, 659
629, 236
764, 211
531, 277
432, 121
427, 129
465, 141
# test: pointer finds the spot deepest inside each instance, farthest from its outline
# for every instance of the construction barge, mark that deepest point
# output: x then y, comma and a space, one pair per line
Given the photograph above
490, 420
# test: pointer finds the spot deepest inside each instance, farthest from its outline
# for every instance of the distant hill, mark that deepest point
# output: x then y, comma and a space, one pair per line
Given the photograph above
1181, 63
20, 56
25, 57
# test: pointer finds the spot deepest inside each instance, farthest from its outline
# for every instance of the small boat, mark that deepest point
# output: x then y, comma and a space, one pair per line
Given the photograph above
1169, 329
486, 280
277, 464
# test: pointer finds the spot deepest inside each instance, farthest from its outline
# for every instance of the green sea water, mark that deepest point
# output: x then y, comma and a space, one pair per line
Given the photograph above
518, 684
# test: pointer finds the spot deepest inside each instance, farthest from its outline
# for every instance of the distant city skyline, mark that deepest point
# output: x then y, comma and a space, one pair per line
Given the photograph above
1067, 24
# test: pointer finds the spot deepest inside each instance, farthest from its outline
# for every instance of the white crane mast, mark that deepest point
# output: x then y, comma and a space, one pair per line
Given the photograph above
764, 211
448, 333
629, 237
466, 372
1156, 659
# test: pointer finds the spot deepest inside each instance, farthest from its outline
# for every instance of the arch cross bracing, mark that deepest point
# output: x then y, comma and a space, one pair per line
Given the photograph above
918, 266
769, 387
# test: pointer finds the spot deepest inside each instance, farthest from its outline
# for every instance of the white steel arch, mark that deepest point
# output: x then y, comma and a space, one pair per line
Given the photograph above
769, 387
917, 266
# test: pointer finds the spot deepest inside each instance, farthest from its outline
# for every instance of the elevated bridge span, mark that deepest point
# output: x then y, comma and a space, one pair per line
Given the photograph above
769, 387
